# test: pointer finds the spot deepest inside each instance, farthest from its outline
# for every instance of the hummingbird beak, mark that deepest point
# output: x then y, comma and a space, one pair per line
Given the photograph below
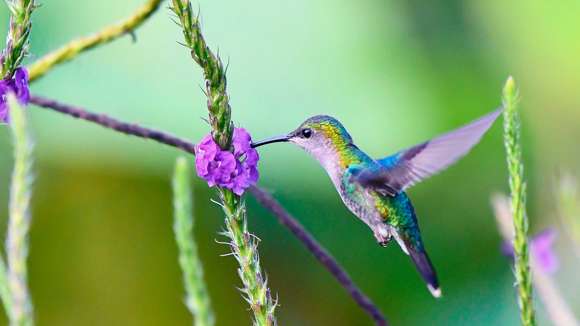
277, 139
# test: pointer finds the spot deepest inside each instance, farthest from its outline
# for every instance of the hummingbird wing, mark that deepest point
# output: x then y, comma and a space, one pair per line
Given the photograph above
406, 168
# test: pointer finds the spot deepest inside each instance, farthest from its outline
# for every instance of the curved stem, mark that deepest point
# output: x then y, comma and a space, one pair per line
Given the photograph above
112, 123
106, 35
266, 200
270, 203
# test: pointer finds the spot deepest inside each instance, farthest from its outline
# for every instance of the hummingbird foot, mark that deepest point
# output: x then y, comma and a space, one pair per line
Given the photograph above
383, 239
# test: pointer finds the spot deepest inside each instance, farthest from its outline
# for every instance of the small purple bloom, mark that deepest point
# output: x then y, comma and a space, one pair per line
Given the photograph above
18, 85
241, 141
235, 171
541, 250
21, 85
205, 153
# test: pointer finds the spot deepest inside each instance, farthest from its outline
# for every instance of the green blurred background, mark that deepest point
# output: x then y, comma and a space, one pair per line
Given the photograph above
395, 72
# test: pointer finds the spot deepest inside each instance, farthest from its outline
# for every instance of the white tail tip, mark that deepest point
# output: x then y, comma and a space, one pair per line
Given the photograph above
436, 292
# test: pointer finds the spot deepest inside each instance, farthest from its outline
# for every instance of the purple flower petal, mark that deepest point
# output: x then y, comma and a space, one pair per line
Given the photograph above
17, 84
4, 89
21, 85
235, 171
542, 251
241, 141
252, 156
3, 113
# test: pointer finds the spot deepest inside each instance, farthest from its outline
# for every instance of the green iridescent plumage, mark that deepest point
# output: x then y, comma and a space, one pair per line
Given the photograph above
374, 190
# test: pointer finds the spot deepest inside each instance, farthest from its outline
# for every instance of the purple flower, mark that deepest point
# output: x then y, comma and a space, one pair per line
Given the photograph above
235, 170
205, 153
541, 250
18, 85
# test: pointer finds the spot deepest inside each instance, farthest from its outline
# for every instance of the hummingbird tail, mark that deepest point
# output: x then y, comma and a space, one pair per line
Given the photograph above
426, 269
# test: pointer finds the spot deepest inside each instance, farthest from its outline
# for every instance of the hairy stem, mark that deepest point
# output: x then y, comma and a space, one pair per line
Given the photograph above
518, 202
244, 247
17, 41
106, 35
269, 202
197, 299
20, 313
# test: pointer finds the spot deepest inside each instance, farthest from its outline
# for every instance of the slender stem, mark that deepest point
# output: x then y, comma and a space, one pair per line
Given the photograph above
242, 243
197, 299
244, 247
106, 35
518, 202
266, 200
270, 203
18, 37
19, 222
111, 123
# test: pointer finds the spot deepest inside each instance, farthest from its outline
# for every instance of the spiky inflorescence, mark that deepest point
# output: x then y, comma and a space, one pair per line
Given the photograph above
244, 246
106, 35
242, 243
518, 202
213, 70
18, 35
20, 310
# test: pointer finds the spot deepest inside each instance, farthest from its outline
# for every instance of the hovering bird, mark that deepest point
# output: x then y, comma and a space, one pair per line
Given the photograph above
374, 189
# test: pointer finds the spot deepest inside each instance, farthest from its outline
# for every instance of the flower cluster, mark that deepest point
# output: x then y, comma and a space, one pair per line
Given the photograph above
18, 85
235, 170
541, 251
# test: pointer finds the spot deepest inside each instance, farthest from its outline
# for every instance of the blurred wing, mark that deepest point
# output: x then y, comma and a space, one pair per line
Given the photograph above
406, 168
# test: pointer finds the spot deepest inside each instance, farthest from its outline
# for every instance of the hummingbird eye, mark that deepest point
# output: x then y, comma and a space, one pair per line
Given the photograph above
306, 133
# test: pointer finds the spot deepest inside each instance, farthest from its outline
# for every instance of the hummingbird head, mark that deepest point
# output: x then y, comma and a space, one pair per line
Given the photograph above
319, 135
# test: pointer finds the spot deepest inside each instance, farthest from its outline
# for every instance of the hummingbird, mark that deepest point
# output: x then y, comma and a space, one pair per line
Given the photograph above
374, 189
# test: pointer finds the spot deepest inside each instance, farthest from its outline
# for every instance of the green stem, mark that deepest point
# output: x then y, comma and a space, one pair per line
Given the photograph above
518, 202
243, 244
197, 301
20, 313
108, 34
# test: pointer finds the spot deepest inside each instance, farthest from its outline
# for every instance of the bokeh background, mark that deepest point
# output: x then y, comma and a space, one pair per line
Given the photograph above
395, 72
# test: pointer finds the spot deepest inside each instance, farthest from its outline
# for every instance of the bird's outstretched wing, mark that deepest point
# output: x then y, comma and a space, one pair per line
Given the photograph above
397, 172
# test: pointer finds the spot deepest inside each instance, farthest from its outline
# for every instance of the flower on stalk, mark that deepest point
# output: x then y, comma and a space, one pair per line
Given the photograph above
235, 170
17, 84
541, 251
